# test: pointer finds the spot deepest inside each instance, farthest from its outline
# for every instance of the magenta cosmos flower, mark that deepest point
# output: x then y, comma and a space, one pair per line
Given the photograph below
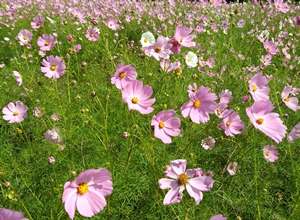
201, 103
86, 192
297, 20
160, 49
291, 102
182, 37
218, 217
15, 113
271, 47
270, 153
46, 42
24, 37
280, 6
53, 67
181, 179
269, 123
137, 97
92, 34
232, 123
123, 75
294, 134
258, 87
37, 22
7, 214
165, 125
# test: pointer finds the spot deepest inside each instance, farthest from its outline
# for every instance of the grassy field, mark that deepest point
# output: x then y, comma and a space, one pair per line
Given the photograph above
89, 116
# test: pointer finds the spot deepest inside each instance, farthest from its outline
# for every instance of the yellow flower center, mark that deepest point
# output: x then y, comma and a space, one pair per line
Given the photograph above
134, 100
278, 6
287, 99
16, 113
177, 70
47, 43
175, 43
207, 143
268, 153
231, 167
189, 59
197, 103
39, 113
212, 1
182, 179
161, 124
181, 39
92, 35
268, 48
218, 111
122, 75
39, 23
260, 121
228, 123
82, 188
145, 40
25, 37
254, 88
157, 49
110, 24
53, 67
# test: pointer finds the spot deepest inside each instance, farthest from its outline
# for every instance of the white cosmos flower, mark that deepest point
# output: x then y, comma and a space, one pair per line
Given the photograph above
147, 39
191, 59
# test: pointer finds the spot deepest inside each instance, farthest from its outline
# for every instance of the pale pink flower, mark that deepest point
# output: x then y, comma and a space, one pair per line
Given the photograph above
123, 75
210, 62
7, 214
38, 112
160, 49
46, 42
225, 96
208, 143
165, 65
270, 154
52, 136
291, 102
231, 168
182, 37
37, 22
51, 160
87, 192
201, 103
24, 37
165, 125
258, 87
18, 78
294, 134
266, 59
92, 34
192, 89
137, 97
216, 3
53, 67
112, 24
218, 217
280, 6
232, 123
77, 48
55, 117
263, 119
78, 14
271, 47
15, 113
181, 179
176, 67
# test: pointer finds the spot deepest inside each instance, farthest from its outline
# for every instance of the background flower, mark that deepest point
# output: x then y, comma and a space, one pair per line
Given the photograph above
15, 113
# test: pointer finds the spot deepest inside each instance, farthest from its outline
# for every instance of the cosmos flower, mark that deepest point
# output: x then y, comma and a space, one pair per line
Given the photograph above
7, 214
270, 153
87, 192
266, 121
123, 75
38, 112
182, 37
37, 22
271, 47
24, 37
77, 48
52, 136
282, 7
183, 179
15, 113
291, 102
55, 117
232, 123
231, 168
208, 143
112, 24
297, 20
225, 96
46, 42
294, 134
258, 87
137, 97
165, 125
92, 34
160, 49
191, 59
218, 217
53, 67
147, 39
192, 89
78, 14
201, 103
18, 78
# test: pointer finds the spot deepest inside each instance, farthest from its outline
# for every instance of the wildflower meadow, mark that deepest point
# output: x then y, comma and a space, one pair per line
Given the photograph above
174, 109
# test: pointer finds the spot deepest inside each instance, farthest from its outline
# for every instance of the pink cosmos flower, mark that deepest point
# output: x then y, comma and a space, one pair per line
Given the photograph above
15, 113
220, 109
77, 48
181, 179
216, 3
37, 22
38, 112
269, 123
211, 62
294, 134
78, 14
231, 168
52, 136
112, 24
53, 67
297, 20
87, 192
270, 153
232, 123
92, 34
165, 125
46, 42
55, 117
201, 103
160, 49
271, 47
225, 96
280, 6
123, 75
258, 87
137, 97
24, 37
266, 60
208, 143
218, 217
176, 67
51, 160
165, 65
182, 38
18, 78
291, 102
7, 214
192, 89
